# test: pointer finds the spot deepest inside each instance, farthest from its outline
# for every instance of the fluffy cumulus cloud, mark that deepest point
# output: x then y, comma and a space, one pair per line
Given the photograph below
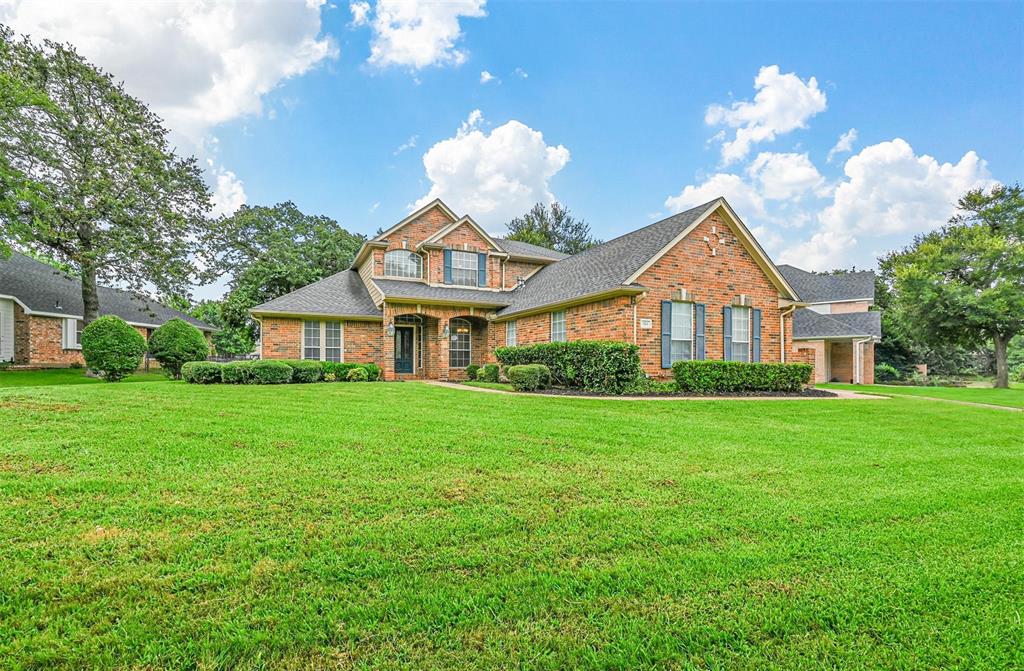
228, 193
485, 77
785, 176
197, 64
783, 103
493, 176
843, 145
742, 195
416, 34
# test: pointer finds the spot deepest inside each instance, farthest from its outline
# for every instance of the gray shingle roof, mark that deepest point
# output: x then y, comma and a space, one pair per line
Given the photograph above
517, 248
820, 288
43, 288
602, 268
810, 324
341, 294
394, 289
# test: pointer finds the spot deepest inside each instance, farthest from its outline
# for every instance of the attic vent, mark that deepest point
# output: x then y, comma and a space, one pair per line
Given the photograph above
681, 295
405, 244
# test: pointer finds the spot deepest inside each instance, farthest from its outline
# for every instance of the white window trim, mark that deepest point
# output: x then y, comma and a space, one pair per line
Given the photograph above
749, 312
511, 333
411, 254
69, 334
322, 343
476, 268
693, 330
565, 326
469, 343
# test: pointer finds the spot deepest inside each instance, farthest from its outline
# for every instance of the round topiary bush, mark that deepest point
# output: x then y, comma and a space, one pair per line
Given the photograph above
112, 347
201, 372
236, 372
268, 371
358, 375
175, 343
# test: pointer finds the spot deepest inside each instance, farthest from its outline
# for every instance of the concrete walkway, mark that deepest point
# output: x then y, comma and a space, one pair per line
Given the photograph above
840, 395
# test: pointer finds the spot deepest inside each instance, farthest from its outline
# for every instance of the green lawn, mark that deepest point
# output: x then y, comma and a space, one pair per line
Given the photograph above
500, 386
1013, 397
64, 376
162, 525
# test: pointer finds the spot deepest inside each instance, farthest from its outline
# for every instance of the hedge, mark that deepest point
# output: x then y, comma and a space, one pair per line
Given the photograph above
357, 375
269, 371
490, 373
176, 343
305, 370
236, 372
341, 370
201, 372
593, 365
529, 377
471, 371
712, 377
112, 347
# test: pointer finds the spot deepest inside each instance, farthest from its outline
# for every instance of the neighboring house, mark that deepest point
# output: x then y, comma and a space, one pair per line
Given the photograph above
436, 292
837, 324
41, 313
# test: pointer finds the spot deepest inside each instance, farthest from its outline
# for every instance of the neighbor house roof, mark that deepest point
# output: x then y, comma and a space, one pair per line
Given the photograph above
342, 294
823, 288
42, 289
810, 325
405, 290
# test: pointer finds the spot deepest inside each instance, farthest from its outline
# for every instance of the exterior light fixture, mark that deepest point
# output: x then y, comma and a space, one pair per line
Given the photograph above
391, 329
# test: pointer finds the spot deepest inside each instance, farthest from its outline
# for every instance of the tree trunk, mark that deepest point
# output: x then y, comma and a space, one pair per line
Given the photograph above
1002, 367
90, 298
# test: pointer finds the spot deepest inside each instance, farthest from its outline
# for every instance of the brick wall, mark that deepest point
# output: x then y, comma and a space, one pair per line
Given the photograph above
39, 341
281, 338
516, 269
436, 355
363, 341
841, 359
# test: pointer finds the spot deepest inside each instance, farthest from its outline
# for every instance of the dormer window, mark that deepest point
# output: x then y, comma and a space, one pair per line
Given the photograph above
403, 263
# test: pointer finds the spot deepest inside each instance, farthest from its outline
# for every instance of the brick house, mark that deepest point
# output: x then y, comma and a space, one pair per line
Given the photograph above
41, 313
837, 327
435, 293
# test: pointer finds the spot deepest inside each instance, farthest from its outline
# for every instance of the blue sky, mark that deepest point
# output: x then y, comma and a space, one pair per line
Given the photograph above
622, 111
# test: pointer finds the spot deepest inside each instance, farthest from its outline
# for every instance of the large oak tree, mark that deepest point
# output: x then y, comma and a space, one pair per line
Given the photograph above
553, 227
88, 177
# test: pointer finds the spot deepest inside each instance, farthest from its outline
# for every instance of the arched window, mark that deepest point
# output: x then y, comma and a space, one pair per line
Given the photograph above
403, 263
459, 349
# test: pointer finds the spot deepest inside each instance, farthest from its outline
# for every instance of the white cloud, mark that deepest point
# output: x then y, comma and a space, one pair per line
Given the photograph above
843, 144
743, 197
485, 77
360, 12
785, 176
492, 176
228, 193
373, 208
783, 103
417, 33
521, 73
408, 144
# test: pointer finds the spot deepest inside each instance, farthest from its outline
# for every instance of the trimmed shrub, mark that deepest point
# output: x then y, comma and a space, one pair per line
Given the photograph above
358, 375
341, 370
886, 373
270, 371
713, 377
112, 347
201, 372
593, 365
306, 370
471, 371
373, 371
236, 372
330, 377
176, 343
529, 377
490, 373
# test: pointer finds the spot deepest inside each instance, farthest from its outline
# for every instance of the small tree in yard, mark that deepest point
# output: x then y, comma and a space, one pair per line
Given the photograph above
176, 343
112, 347
87, 177
965, 283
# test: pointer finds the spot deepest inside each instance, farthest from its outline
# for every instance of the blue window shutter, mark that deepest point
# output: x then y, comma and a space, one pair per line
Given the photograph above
481, 267
666, 334
757, 335
727, 333
698, 329
447, 266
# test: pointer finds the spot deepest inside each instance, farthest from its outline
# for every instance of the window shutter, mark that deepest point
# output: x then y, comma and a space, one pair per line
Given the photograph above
698, 330
666, 334
727, 333
447, 266
481, 267
66, 338
757, 335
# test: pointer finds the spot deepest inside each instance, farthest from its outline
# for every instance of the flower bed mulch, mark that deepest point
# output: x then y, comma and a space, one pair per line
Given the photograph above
805, 393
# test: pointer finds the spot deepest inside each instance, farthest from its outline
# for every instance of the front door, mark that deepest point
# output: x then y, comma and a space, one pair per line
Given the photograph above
403, 349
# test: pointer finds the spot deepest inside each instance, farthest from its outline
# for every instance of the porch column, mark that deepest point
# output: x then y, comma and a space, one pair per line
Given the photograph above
443, 343
387, 350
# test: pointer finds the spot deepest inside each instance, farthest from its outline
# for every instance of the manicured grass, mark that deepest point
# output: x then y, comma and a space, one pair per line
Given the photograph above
62, 376
503, 386
408, 526
1013, 397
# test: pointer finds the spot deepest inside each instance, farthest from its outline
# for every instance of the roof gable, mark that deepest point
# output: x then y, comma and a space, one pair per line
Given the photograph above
829, 288
436, 203
438, 237
343, 294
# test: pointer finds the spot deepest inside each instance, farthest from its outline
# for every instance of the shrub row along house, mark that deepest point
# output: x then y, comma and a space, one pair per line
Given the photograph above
436, 293
41, 313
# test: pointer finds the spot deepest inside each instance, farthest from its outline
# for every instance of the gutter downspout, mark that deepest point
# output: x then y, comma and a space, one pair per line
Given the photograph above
858, 358
260, 342
782, 329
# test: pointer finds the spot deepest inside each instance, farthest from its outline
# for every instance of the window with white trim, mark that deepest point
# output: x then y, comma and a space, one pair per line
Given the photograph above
682, 331
558, 326
510, 333
460, 348
403, 263
73, 333
322, 340
465, 268
740, 334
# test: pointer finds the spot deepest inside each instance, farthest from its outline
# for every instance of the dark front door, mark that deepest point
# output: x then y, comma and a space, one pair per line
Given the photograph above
403, 349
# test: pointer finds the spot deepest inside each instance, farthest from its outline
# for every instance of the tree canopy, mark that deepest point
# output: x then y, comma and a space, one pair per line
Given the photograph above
553, 227
964, 284
88, 177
